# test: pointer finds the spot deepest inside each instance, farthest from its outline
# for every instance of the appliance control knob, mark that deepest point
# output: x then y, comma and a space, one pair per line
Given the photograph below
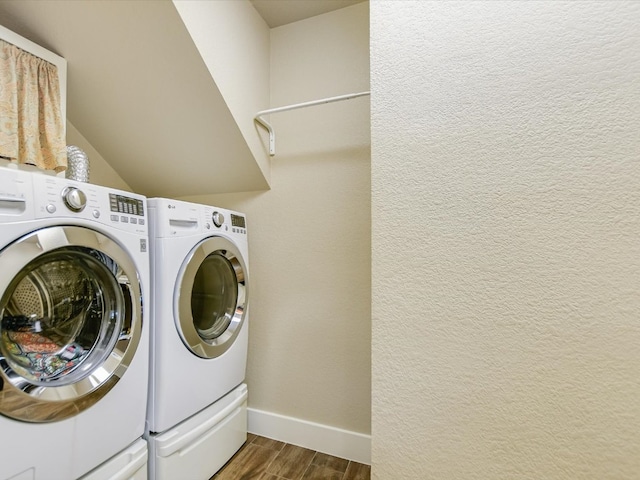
74, 199
217, 218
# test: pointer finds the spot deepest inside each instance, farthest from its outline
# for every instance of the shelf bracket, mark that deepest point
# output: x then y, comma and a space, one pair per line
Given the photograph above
266, 125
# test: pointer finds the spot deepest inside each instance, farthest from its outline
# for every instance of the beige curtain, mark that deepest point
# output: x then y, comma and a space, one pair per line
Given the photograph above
31, 123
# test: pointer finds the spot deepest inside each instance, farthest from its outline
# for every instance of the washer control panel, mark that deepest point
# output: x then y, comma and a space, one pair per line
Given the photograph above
176, 218
227, 221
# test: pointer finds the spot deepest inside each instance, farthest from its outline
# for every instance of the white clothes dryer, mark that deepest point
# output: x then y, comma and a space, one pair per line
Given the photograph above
74, 273
199, 338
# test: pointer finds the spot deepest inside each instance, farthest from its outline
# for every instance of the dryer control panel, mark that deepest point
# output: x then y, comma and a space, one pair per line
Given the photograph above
58, 197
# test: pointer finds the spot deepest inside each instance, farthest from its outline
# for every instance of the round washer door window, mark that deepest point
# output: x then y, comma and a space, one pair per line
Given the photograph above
211, 297
70, 321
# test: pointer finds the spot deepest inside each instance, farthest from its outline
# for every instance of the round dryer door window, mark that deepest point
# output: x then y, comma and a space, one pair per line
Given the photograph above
211, 297
69, 319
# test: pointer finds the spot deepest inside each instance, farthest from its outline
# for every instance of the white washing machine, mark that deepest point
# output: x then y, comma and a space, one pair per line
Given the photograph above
197, 415
73, 341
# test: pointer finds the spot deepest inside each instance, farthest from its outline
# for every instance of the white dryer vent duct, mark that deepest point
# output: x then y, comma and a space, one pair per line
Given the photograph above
77, 164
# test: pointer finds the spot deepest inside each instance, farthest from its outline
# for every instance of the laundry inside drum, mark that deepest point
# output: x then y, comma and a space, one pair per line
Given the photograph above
52, 318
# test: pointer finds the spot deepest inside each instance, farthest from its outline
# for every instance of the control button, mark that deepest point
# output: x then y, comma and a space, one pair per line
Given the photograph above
74, 199
115, 218
96, 213
124, 219
134, 220
217, 218
141, 221
51, 208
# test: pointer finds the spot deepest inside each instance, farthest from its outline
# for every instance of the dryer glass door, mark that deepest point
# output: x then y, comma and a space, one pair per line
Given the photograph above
68, 317
211, 297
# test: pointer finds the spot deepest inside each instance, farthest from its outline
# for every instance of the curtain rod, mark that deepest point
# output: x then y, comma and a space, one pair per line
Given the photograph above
272, 136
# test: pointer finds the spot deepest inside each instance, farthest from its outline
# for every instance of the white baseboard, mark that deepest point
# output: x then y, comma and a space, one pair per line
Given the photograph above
322, 438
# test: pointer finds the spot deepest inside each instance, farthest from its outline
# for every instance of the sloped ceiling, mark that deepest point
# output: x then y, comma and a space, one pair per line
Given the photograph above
140, 93
281, 12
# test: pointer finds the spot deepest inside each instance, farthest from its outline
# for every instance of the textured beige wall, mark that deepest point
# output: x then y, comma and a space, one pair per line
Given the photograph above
506, 240
309, 235
100, 172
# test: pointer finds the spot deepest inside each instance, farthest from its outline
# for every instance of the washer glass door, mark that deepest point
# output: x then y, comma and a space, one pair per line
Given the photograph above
211, 297
69, 322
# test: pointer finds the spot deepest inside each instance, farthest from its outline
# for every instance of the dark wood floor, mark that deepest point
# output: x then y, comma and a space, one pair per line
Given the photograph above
265, 459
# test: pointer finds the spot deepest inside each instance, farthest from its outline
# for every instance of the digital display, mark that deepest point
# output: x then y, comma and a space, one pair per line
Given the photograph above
122, 204
237, 221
